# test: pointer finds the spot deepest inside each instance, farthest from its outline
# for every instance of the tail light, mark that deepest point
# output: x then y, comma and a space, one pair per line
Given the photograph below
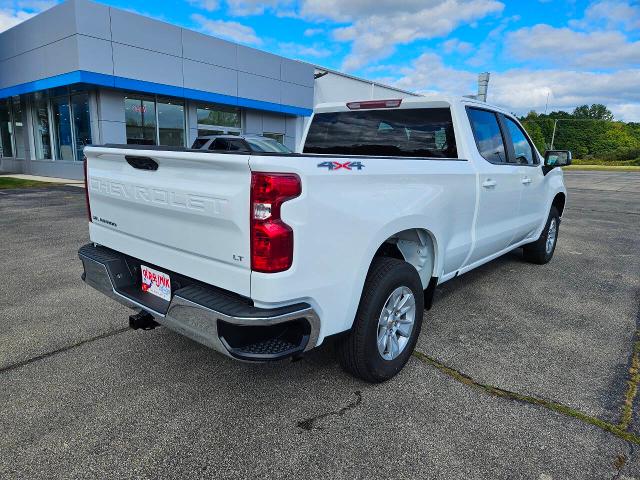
271, 238
86, 186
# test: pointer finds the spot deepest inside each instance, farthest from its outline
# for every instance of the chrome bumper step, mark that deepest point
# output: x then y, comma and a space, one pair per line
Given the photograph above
221, 320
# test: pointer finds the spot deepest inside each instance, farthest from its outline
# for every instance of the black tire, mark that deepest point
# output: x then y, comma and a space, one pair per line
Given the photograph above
358, 349
537, 252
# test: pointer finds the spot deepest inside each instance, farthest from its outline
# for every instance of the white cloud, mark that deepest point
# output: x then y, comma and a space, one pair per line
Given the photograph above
354, 10
36, 5
24, 10
234, 31
611, 14
628, 112
428, 74
524, 89
521, 90
375, 28
563, 46
208, 5
454, 45
255, 7
291, 49
11, 18
310, 32
375, 36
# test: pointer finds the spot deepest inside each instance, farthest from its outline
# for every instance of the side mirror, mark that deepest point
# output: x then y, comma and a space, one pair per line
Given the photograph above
557, 158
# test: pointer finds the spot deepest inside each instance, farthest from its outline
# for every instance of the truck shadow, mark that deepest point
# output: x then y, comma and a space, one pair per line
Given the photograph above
322, 358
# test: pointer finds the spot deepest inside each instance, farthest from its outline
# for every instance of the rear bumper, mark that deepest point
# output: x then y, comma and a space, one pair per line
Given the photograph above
218, 319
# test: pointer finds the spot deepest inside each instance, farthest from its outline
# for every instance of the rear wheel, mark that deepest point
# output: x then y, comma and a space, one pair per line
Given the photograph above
541, 251
387, 324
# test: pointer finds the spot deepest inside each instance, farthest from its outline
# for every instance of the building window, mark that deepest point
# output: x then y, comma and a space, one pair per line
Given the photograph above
6, 128
171, 123
81, 123
218, 119
18, 127
140, 117
154, 121
41, 127
61, 126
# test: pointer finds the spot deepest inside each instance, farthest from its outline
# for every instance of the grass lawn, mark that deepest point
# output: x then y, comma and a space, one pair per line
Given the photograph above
610, 168
10, 182
600, 164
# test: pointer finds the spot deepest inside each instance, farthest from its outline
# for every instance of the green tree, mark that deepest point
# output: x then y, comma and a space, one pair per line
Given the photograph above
589, 132
596, 111
533, 128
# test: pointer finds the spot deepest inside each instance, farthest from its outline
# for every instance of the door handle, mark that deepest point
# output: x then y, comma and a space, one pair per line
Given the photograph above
488, 183
141, 163
526, 181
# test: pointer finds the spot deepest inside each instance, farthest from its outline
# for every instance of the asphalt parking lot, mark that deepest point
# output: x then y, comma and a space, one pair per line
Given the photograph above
522, 371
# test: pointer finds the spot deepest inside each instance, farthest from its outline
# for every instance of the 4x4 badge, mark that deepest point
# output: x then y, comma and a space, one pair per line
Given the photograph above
338, 165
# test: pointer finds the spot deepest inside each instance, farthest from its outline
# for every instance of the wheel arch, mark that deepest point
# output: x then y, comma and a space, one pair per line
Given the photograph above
559, 202
416, 246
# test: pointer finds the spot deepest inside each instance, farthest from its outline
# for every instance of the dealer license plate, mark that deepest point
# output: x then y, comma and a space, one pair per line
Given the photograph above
156, 283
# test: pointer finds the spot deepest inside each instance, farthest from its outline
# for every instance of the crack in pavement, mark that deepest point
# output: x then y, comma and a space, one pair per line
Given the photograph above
17, 365
310, 423
626, 415
633, 382
557, 407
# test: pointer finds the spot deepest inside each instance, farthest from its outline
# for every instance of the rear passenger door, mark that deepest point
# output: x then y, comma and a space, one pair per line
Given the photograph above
497, 221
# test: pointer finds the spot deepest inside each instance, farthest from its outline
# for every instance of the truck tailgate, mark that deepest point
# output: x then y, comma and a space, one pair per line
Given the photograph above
189, 215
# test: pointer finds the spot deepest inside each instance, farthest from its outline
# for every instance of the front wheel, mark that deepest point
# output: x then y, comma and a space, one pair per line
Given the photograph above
541, 251
387, 324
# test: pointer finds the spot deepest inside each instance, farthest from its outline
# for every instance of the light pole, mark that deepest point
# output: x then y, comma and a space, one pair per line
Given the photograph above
553, 135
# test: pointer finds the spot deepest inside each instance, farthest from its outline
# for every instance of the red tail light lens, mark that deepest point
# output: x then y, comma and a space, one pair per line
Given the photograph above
86, 187
271, 238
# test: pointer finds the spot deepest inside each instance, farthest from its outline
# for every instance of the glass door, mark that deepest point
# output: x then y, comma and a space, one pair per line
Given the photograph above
41, 127
62, 128
6, 148
170, 123
140, 116
18, 127
81, 123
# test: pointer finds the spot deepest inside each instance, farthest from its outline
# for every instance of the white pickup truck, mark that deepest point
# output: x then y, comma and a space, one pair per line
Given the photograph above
262, 256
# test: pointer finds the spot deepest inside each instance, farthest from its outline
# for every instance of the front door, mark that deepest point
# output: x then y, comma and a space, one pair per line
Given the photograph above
532, 202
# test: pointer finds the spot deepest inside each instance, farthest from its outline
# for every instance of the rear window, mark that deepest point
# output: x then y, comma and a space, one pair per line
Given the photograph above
423, 132
262, 144
228, 144
199, 143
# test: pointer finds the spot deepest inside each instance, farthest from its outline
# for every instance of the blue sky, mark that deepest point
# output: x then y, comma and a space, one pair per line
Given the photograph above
571, 52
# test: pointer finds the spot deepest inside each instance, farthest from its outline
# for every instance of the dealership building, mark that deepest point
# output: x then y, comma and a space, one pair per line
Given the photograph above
85, 73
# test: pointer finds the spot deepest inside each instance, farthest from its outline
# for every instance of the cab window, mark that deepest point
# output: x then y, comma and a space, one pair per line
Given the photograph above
415, 132
523, 152
486, 131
